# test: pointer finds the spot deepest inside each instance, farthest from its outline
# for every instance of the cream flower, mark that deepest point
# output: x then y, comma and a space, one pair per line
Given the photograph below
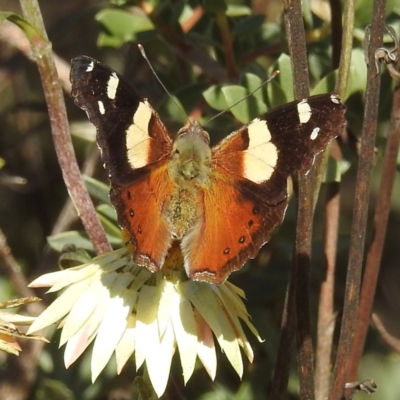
128, 310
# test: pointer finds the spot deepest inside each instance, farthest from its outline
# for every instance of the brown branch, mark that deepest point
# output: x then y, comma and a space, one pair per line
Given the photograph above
298, 295
380, 225
222, 22
59, 125
302, 258
326, 315
359, 223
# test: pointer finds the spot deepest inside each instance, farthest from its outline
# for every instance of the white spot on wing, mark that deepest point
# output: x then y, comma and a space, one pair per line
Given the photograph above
90, 67
314, 133
137, 136
101, 107
261, 157
112, 86
304, 110
335, 99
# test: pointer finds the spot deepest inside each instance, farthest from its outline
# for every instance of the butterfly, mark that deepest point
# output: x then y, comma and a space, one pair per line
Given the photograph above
221, 203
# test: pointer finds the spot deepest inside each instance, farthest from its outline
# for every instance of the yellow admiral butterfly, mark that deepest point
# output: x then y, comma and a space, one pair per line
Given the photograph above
221, 203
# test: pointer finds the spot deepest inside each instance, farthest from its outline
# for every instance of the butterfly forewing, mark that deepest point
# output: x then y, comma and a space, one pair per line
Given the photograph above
129, 132
281, 142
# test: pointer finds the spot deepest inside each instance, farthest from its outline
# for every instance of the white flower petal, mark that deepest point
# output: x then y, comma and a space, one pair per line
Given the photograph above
231, 310
159, 361
81, 311
164, 307
205, 300
16, 318
77, 344
76, 275
230, 345
143, 275
185, 330
114, 322
50, 279
228, 293
59, 308
147, 336
206, 346
235, 289
114, 260
126, 345
109, 334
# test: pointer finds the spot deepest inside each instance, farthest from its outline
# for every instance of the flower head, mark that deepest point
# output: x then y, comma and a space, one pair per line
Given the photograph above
128, 310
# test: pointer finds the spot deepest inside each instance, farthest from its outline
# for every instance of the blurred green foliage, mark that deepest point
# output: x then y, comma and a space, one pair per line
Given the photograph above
31, 213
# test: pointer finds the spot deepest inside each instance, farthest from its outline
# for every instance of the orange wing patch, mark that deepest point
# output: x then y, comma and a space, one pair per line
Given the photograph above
234, 226
140, 208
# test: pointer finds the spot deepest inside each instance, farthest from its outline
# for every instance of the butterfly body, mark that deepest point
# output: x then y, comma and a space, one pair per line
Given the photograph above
221, 203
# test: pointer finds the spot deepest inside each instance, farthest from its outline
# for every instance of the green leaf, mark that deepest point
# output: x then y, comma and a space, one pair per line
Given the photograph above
236, 10
280, 90
249, 25
190, 95
247, 108
214, 6
307, 13
233, 94
326, 84
74, 258
222, 97
30, 31
2, 163
75, 238
97, 189
113, 232
356, 81
121, 26
254, 83
215, 98
173, 108
358, 73
364, 9
53, 389
107, 211
335, 169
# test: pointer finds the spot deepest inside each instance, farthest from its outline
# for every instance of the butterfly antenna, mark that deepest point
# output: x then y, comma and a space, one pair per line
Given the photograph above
269, 79
143, 53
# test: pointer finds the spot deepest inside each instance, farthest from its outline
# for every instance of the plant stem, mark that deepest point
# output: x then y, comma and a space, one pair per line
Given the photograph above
380, 225
359, 223
59, 126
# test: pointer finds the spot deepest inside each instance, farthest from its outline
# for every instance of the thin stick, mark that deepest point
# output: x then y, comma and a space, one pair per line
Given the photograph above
359, 223
60, 130
380, 225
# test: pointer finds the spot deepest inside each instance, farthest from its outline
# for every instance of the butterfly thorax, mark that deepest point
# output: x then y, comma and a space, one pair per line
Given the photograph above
189, 166
189, 169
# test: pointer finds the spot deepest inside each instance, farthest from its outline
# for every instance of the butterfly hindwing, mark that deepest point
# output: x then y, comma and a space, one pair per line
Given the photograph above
232, 229
140, 212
